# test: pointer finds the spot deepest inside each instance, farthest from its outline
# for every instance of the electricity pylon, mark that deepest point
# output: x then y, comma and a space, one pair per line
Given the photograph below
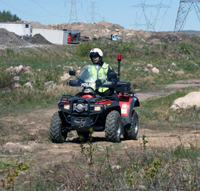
73, 14
136, 24
93, 11
150, 23
185, 7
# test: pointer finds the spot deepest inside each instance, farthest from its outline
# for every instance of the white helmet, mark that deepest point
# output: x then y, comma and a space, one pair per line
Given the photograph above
96, 52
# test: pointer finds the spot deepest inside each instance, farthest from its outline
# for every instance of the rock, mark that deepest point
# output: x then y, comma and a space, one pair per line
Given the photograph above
116, 167
49, 83
16, 79
65, 77
179, 73
28, 85
155, 70
149, 65
191, 100
19, 69
16, 85
68, 67
173, 64
16, 69
146, 69
78, 71
10, 69
28, 70
15, 147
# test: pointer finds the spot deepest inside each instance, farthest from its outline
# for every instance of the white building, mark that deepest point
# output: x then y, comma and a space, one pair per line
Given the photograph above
21, 29
54, 36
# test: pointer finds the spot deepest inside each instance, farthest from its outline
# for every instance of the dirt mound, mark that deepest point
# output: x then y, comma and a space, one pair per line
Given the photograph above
171, 38
38, 39
91, 30
9, 39
168, 38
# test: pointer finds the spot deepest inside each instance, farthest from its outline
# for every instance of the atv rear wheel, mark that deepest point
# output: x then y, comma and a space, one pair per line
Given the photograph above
57, 133
131, 131
113, 126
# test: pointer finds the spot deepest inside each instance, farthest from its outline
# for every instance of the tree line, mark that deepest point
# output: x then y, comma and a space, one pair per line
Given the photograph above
7, 16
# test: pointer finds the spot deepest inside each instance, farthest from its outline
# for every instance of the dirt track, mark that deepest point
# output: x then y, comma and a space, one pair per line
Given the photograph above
34, 128
30, 144
28, 140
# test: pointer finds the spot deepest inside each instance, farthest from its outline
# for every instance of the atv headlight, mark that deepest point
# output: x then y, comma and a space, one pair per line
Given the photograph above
67, 107
97, 108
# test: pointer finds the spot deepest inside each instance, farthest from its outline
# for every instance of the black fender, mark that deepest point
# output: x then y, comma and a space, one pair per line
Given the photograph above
113, 106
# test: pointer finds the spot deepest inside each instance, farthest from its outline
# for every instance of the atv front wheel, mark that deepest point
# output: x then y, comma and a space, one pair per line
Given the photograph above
113, 126
57, 133
131, 131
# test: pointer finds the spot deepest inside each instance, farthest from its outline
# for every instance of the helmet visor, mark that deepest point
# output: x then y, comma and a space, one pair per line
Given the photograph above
94, 55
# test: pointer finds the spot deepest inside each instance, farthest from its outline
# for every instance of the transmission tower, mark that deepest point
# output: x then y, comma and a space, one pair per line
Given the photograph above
73, 14
150, 23
185, 7
136, 24
93, 11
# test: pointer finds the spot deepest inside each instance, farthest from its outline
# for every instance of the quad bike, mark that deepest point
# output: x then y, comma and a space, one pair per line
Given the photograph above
115, 115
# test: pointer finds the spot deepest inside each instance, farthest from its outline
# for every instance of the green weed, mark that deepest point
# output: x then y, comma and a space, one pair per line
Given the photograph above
12, 173
6, 79
159, 110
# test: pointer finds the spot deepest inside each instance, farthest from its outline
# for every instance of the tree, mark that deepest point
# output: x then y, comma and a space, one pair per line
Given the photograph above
6, 16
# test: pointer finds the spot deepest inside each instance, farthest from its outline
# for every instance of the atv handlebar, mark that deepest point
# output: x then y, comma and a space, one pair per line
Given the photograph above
78, 83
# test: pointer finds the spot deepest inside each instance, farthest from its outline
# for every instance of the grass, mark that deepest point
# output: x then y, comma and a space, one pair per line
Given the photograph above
113, 167
152, 168
185, 153
158, 111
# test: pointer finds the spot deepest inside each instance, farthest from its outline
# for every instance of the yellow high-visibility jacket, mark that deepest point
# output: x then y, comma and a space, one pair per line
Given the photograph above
101, 74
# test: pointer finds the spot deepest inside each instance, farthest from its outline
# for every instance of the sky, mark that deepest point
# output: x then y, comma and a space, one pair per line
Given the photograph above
127, 13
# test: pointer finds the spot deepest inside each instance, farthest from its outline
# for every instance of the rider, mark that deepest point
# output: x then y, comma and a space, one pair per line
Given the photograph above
96, 56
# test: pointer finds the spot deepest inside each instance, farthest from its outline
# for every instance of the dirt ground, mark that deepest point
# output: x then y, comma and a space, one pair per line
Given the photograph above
33, 127
33, 130
26, 139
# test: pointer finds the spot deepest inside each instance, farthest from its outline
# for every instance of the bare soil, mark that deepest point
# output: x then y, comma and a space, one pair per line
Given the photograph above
26, 133
26, 139
29, 131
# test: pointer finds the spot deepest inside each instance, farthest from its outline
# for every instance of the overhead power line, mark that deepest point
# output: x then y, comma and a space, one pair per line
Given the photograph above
152, 19
50, 13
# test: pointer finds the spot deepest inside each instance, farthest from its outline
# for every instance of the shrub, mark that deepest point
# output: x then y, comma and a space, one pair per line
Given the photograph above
6, 79
83, 49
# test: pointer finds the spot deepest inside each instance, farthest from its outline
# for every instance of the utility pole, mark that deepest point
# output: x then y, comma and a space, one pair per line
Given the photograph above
150, 23
73, 14
185, 7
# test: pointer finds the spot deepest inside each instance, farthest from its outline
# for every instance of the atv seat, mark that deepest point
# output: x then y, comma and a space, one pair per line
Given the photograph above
123, 87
